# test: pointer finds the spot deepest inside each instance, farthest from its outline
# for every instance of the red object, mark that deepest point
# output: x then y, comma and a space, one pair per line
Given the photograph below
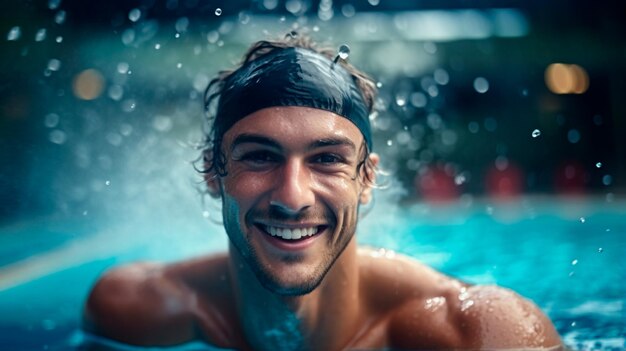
570, 178
437, 185
505, 181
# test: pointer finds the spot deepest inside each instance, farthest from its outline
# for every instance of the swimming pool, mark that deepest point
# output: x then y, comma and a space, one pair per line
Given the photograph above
565, 254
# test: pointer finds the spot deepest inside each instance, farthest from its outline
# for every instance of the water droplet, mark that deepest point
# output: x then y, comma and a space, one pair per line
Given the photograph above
54, 65
374, 2
218, 11
157, 46
574, 262
177, 35
41, 34
441, 76
389, 142
573, 324
51, 120
607, 180
571, 274
213, 36
128, 36
536, 133
205, 214
600, 250
162, 123
582, 219
59, 18
599, 164
481, 85
57, 137
122, 67
54, 4
400, 100
59, 39
459, 179
134, 15
14, 34
85, 212
473, 127
182, 24
107, 183
573, 136
316, 28
344, 51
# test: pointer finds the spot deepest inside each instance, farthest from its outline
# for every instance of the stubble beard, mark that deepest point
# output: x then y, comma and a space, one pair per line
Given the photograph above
264, 272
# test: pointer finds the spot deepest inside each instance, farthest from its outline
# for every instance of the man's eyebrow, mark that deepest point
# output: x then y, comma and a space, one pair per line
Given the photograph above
267, 141
256, 139
334, 141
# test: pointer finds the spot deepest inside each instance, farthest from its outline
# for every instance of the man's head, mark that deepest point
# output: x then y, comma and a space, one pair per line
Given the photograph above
289, 154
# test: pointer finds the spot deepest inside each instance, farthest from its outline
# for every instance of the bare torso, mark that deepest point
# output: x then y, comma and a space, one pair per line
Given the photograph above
403, 305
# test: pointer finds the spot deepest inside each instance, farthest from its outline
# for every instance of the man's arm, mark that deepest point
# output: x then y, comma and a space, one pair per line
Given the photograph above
138, 305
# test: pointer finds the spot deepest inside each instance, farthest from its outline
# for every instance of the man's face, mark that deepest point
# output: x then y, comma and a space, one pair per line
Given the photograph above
291, 193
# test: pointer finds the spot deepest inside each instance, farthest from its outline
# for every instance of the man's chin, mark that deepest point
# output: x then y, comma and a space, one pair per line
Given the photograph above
289, 287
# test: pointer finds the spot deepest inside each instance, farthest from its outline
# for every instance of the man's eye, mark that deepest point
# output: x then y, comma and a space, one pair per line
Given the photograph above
258, 157
328, 159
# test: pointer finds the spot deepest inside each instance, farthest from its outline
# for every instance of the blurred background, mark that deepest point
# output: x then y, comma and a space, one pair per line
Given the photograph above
502, 125
496, 98
477, 98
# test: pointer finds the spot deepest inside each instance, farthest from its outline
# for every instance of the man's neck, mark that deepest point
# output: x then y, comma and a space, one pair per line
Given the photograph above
327, 318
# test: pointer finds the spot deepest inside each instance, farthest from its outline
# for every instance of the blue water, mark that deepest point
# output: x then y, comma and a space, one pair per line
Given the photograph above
567, 256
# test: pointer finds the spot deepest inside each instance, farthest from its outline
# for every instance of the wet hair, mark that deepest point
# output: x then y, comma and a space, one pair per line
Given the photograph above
213, 158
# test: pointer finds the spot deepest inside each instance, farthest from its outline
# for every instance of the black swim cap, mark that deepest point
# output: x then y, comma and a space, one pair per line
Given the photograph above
291, 77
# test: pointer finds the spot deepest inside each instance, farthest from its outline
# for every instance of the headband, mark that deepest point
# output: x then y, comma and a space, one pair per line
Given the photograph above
291, 77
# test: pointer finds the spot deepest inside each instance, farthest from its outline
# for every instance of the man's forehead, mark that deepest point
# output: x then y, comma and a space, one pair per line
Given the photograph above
294, 124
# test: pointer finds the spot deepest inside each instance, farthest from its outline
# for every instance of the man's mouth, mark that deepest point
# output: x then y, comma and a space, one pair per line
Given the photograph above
291, 233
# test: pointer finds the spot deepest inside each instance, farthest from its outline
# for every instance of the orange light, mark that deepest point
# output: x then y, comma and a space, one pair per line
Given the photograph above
566, 79
88, 84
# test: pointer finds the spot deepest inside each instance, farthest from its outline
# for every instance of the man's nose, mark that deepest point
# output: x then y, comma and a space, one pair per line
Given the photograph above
293, 188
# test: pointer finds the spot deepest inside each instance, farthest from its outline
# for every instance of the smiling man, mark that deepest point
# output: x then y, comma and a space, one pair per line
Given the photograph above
289, 155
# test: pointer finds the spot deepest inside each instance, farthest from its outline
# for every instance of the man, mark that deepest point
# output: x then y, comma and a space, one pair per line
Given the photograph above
290, 157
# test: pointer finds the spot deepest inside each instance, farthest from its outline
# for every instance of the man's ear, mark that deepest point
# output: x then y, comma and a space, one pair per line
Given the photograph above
368, 174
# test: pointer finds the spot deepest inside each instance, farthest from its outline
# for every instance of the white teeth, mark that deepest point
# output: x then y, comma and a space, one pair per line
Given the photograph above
291, 234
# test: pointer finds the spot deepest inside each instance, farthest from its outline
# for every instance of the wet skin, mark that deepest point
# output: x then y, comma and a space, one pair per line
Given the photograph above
294, 170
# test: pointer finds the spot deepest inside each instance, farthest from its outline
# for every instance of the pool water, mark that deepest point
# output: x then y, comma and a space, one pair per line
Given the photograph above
566, 255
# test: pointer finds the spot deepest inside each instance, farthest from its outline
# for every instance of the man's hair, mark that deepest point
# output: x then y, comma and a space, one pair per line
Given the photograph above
213, 158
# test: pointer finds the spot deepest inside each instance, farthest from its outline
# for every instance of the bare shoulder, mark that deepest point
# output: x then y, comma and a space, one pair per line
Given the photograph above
496, 317
140, 304
427, 310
